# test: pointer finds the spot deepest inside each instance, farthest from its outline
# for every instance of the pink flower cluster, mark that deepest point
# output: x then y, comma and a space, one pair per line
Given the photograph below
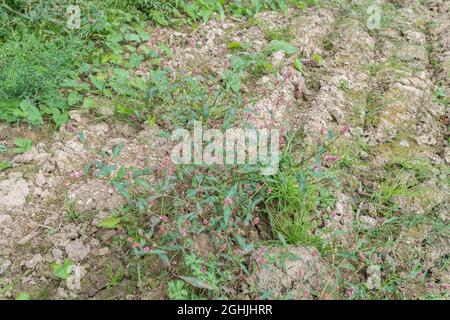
228, 202
259, 256
167, 166
330, 159
137, 245
76, 174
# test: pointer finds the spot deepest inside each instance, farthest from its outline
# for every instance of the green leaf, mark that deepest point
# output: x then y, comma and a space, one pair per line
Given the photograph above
317, 58
226, 214
110, 222
232, 191
136, 60
279, 45
23, 296
81, 136
88, 103
98, 82
73, 98
234, 45
5, 165
163, 256
31, 113
62, 271
198, 283
114, 37
301, 180
117, 150
298, 65
59, 117
3, 148
132, 37
158, 17
142, 34
23, 145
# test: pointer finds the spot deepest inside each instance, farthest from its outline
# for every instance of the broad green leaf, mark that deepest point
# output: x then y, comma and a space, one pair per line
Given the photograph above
23, 296
298, 65
279, 45
31, 113
234, 45
73, 98
5, 164
81, 136
88, 103
142, 34
117, 150
23, 145
301, 180
62, 271
114, 37
132, 37
110, 222
226, 214
317, 58
198, 283
59, 117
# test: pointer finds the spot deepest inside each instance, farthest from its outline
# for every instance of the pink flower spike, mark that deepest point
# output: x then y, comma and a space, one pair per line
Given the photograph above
164, 219
350, 292
76, 175
224, 246
228, 202
146, 249
70, 127
322, 131
136, 245
344, 130
328, 158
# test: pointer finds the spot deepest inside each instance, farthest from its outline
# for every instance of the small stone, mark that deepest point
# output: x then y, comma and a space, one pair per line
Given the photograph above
57, 255
265, 79
374, 279
404, 143
108, 235
40, 179
13, 192
115, 142
364, 155
277, 58
103, 251
99, 129
105, 110
426, 140
94, 243
27, 238
5, 266
76, 250
34, 261
75, 115
61, 293
368, 222
74, 281
5, 221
